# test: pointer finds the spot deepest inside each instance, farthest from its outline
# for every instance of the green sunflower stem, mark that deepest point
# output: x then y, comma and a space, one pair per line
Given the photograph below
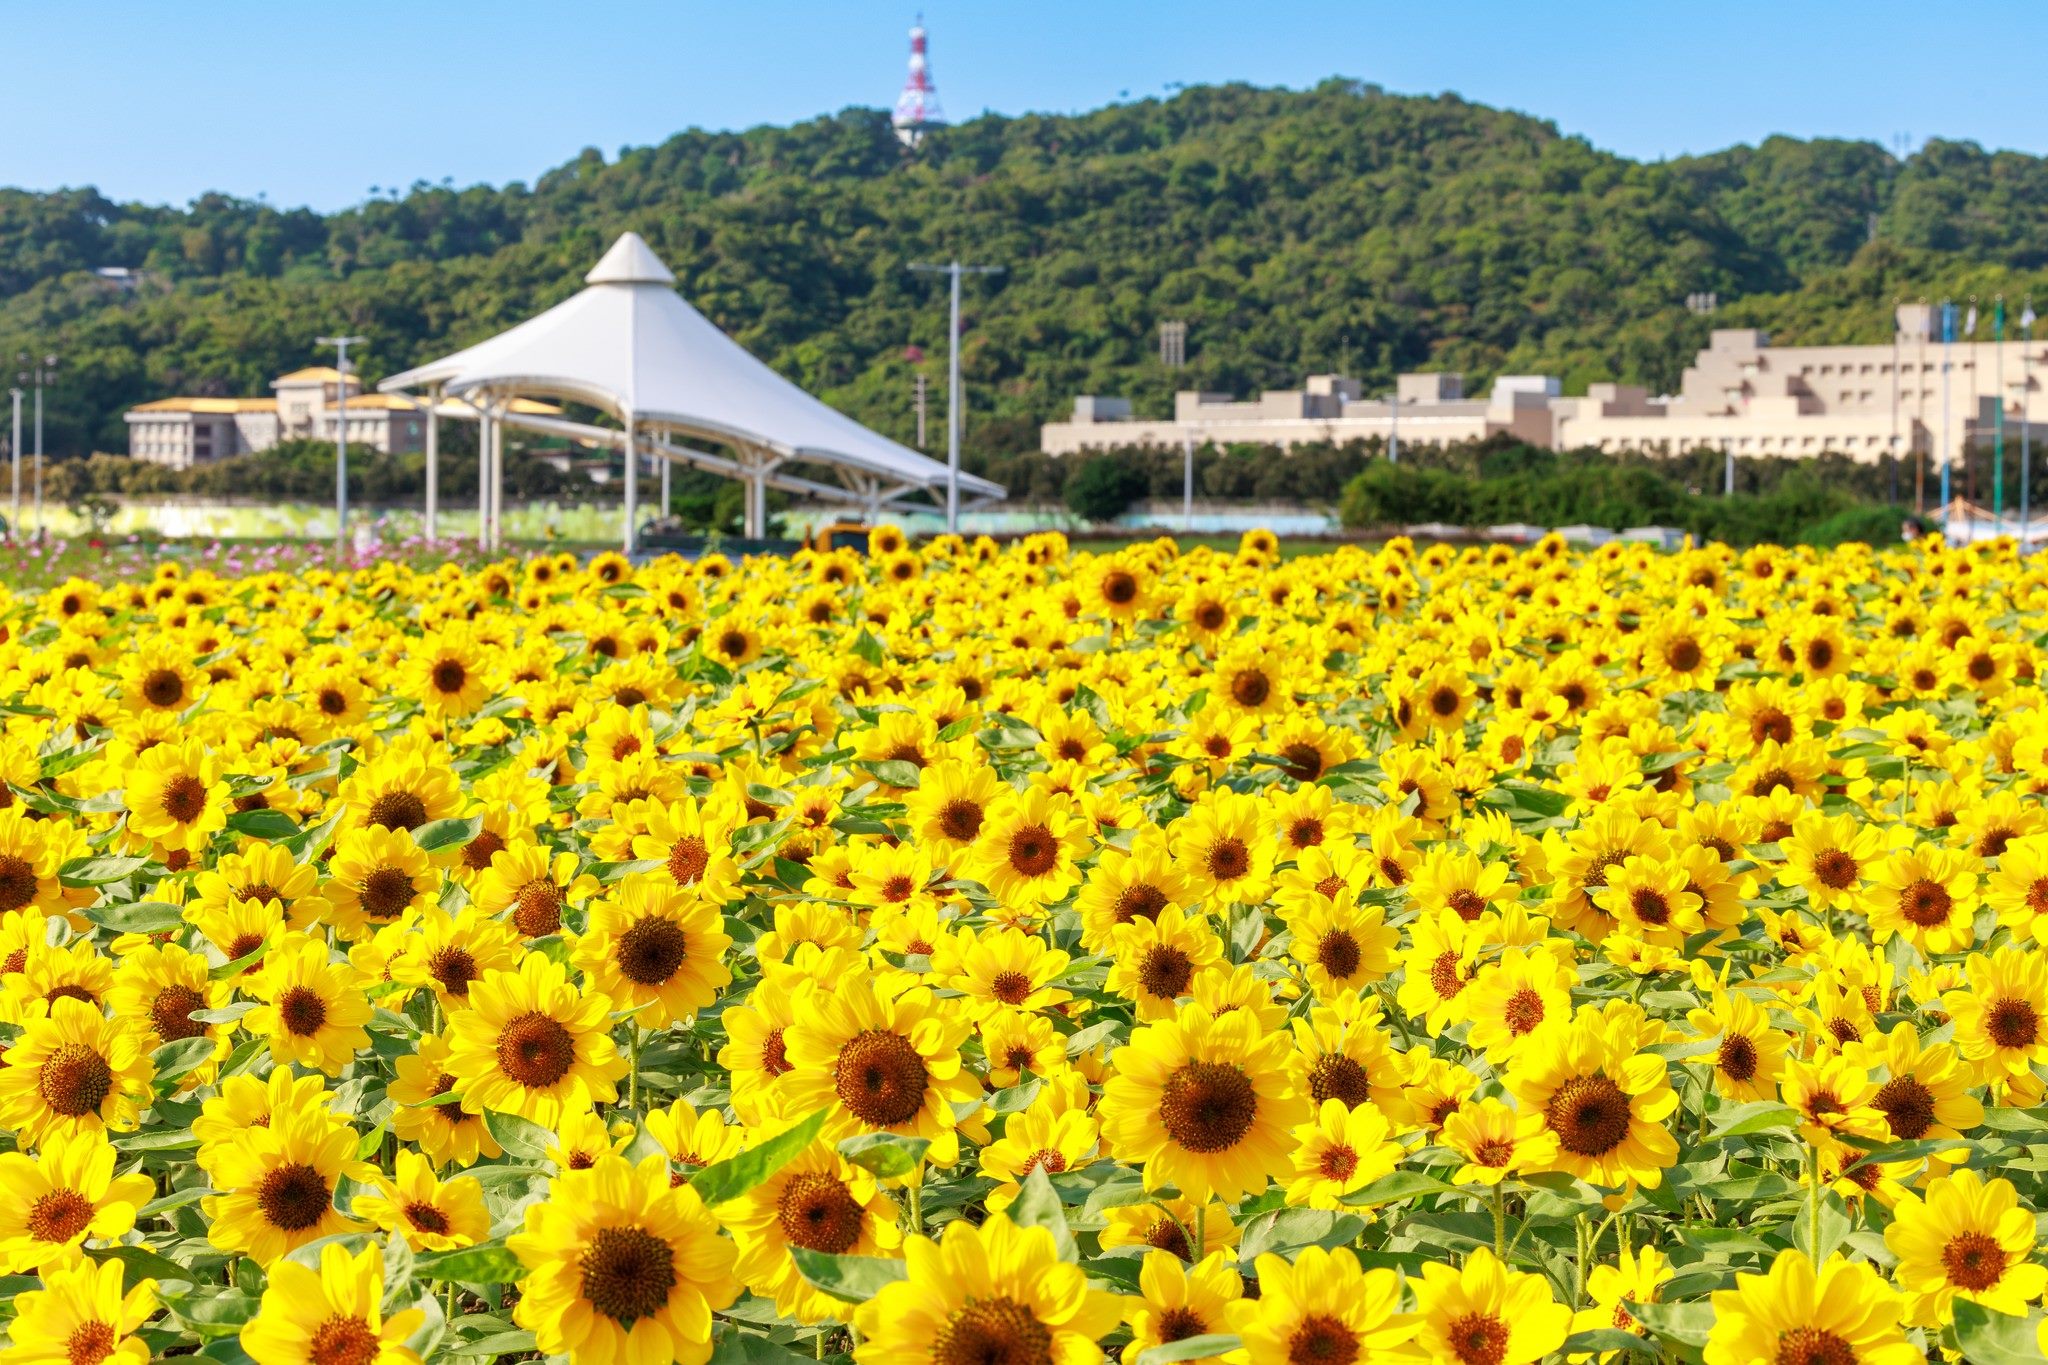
1500, 1220
1813, 1196
633, 1069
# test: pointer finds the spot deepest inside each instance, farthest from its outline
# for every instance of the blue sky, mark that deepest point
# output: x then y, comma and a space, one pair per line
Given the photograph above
160, 101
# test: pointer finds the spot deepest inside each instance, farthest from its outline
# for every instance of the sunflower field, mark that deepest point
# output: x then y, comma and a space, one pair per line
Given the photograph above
968, 955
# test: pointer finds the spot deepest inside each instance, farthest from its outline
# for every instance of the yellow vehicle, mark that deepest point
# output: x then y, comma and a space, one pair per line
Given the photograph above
840, 535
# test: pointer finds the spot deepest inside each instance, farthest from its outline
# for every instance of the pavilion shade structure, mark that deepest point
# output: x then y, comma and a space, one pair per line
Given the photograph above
629, 345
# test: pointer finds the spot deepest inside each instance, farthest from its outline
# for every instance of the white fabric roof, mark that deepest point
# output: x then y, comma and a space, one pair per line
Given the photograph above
630, 344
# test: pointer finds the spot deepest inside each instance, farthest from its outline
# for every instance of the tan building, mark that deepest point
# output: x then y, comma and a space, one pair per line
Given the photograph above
182, 432
1741, 394
1425, 409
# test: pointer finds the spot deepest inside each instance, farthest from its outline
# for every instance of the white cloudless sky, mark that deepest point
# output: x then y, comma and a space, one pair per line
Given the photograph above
311, 104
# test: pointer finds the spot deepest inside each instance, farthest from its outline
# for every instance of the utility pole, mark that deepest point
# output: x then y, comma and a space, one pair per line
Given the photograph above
1998, 443
1892, 450
1394, 436
917, 398
14, 459
1187, 484
340, 345
45, 371
953, 270
2026, 429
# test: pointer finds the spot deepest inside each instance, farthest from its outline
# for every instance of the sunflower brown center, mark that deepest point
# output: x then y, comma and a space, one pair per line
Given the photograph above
1493, 1152
427, 1218
688, 856
90, 1342
628, 1273
1228, 859
1338, 954
993, 1331
75, 1080
1650, 907
294, 1197
1321, 1339
881, 1078
59, 1216
817, 1213
1034, 851
1207, 1106
301, 1010
1907, 1105
1178, 1324
454, 967
1139, 901
537, 908
535, 1050
386, 892
1835, 869
1250, 688
1974, 1261
1337, 1077
1589, 1114
960, 819
2012, 1023
1770, 723
17, 882
1469, 904
650, 952
398, 810
1444, 976
1168, 1235
163, 688
1523, 1011
1684, 655
1812, 1346
1479, 1339
184, 798
1925, 903
1012, 988
1737, 1057
478, 852
170, 1014
1338, 1163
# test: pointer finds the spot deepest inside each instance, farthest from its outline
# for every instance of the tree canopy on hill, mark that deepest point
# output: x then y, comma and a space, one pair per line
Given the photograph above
1296, 231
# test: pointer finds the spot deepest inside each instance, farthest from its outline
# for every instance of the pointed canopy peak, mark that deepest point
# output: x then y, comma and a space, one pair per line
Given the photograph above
630, 261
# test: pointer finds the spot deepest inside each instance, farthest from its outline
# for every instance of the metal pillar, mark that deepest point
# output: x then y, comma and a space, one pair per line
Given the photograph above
1187, 485
433, 465
484, 422
14, 457
632, 486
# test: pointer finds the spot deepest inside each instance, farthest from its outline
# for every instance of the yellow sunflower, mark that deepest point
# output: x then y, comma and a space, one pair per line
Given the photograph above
1844, 1313
313, 1009
1323, 1308
81, 1315
533, 1045
176, 797
623, 1268
331, 1315
885, 1055
1605, 1102
277, 1186
996, 1292
431, 1214
73, 1071
52, 1202
1204, 1103
820, 1202
655, 947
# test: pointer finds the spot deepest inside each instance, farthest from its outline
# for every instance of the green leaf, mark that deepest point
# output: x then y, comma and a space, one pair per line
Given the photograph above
179, 1058
1601, 1340
439, 834
1399, 1185
1685, 1323
1988, 1338
1286, 1230
851, 1279
99, 871
136, 917
735, 1347
239, 965
733, 1177
1191, 1348
263, 823
868, 649
888, 1155
1038, 1206
141, 1263
897, 772
1758, 1116
519, 1136
484, 1263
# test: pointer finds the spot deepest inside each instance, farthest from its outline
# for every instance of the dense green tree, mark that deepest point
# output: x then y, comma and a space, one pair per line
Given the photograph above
1337, 228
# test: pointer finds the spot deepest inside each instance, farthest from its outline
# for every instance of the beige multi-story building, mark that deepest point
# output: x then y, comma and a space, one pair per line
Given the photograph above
1740, 394
182, 432
1426, 409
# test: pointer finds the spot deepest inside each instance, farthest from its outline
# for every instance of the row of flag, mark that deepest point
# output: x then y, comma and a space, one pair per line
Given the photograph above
1948, 320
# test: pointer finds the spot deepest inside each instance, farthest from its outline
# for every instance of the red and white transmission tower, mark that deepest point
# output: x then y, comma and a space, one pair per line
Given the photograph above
917, 108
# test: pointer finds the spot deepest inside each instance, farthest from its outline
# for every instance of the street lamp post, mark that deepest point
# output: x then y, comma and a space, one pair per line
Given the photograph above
14, 461
45, 371
953, 270
340, 345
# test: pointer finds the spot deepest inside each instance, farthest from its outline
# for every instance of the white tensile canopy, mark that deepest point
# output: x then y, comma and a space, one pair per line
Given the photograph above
631, 346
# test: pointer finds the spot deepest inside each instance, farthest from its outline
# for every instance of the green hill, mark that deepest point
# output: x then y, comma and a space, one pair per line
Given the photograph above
1334, 228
